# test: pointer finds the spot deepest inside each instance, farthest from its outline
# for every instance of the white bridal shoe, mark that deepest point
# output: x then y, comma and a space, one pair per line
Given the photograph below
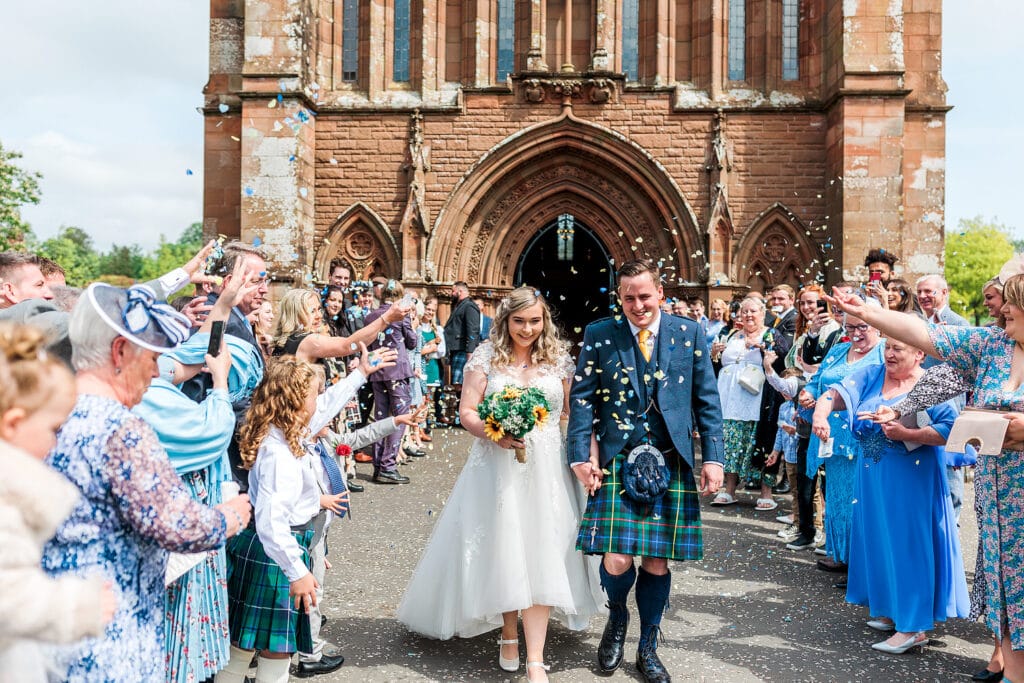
510, 665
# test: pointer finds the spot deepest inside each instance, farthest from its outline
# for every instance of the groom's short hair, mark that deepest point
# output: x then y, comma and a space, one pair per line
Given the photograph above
639, 267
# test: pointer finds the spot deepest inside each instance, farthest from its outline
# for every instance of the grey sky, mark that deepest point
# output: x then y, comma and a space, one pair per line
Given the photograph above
101, 98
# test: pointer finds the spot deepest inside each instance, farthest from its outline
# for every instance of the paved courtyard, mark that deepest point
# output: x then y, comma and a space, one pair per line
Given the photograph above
751, 611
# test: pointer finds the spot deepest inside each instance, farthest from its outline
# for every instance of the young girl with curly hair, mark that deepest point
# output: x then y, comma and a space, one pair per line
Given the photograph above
270, 585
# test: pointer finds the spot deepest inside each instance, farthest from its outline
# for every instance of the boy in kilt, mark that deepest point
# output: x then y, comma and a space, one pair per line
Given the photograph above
644, 379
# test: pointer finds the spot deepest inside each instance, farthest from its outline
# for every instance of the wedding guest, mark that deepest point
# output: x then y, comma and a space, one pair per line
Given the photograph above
717, 318
499, 503
905, 563
462, 330
432, 350
392, 394
901, 296
840, 454
196, 438
134, 508
750, 408
989, 358
299, 331
36, 395
270, 585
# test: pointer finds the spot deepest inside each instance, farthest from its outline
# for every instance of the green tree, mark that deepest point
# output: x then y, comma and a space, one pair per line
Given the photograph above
73, 249
974, 254
126, 261
17, 188
170, 255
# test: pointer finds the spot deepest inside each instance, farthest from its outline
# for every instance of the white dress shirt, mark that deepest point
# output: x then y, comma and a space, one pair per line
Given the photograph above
285, 489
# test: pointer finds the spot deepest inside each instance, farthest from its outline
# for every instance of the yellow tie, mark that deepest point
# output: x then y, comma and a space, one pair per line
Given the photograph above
644, 336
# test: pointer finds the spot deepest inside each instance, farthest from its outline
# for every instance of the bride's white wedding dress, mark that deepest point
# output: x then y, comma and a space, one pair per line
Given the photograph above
506, 539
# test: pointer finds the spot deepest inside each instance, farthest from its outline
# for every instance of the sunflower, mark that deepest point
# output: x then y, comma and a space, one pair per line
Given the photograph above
540, 415
493, 430
511, 393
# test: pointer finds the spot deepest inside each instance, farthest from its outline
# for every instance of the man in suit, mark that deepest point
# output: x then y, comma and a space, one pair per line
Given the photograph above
485, 320
462, 331
237, 325
781, 299
933, 297
642, 378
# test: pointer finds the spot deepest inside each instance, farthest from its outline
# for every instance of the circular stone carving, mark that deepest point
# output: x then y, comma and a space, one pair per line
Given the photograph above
359, 246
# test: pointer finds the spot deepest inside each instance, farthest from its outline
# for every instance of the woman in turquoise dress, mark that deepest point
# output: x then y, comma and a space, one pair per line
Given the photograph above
196, 437
863, 349
905, 560
992, 359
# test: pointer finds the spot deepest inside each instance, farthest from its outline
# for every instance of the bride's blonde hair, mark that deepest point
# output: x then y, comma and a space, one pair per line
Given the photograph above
548, 349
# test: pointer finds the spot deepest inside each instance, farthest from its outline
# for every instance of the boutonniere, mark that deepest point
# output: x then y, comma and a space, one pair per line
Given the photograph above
343, 450
844, 338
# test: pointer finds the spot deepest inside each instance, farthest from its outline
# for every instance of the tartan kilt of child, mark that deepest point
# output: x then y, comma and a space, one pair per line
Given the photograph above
261, 614
669, 528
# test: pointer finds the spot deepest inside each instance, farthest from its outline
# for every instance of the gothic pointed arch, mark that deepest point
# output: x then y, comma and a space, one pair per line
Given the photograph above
362, 237
564, 165
774, 250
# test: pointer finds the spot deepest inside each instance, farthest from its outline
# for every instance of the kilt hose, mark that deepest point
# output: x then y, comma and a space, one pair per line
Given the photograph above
260, 612
670, 528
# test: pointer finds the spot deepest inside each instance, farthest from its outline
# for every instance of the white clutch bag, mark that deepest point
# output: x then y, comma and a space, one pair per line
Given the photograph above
751, 379
983, 429
179, 563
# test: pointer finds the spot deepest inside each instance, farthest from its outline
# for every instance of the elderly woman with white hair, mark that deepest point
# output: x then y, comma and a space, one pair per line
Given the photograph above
134, 508
750, 407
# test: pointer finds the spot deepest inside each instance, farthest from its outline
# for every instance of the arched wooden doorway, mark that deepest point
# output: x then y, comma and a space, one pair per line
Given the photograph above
570, 265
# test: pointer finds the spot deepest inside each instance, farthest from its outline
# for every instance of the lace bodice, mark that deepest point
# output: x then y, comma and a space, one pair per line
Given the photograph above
548, 378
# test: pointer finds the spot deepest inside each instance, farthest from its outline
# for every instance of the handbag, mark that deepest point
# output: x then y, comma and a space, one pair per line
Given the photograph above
751, 379
645, 476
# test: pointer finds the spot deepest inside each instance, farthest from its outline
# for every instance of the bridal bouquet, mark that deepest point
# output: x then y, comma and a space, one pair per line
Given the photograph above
514, 410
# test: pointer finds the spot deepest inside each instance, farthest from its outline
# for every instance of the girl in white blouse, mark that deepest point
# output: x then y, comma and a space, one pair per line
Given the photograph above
270, 585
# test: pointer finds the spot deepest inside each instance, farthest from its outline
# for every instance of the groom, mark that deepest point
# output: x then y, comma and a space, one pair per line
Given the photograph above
640, 380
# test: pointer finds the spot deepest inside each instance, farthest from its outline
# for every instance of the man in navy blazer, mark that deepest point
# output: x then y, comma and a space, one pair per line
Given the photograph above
643, 378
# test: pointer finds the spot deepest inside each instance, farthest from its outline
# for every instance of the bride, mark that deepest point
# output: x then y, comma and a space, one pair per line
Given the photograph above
505, 542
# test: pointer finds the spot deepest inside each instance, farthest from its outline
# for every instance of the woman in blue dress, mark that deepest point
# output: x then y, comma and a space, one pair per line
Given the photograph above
905, 561
863, 349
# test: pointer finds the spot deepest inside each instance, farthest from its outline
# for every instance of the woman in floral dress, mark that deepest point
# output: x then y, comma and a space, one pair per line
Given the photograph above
134, 508
993, 360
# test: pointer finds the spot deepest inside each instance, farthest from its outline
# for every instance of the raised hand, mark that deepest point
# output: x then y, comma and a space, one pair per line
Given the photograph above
379, 359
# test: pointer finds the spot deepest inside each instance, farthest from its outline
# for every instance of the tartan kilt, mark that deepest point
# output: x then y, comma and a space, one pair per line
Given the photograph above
670, 528
260, 612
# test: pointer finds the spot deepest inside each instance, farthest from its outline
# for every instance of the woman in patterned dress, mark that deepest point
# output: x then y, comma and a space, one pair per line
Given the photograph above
134, 508
992, 359
750, 418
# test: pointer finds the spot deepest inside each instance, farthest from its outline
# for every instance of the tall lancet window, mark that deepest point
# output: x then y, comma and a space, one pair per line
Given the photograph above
631, 39
737, 40
350, 41
566, 232
506, 38
790, 40
401, 54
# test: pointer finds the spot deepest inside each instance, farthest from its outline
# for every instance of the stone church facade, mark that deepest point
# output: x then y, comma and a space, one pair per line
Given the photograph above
741, 142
